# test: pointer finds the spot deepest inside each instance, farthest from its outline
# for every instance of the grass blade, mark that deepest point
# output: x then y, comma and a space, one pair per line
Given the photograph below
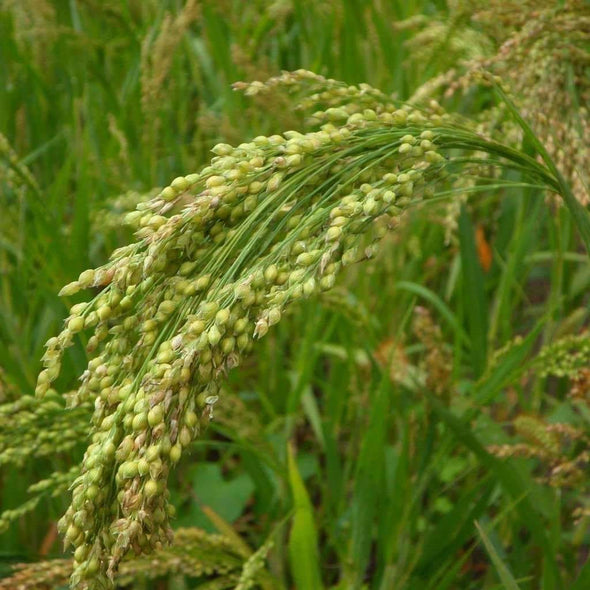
368, 482
438, 303
583, 580
474, 298
303, 541
502, 569
513, 484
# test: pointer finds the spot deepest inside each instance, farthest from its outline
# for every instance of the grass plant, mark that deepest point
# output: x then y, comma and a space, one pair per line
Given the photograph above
348, 350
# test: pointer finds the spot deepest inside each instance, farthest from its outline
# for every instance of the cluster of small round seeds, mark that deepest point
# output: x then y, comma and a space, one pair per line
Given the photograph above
333, 101
220, 255
108, 218
194, 553
541, 48
33, 428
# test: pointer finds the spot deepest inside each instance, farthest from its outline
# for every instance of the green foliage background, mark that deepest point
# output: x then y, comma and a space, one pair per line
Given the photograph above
426, 427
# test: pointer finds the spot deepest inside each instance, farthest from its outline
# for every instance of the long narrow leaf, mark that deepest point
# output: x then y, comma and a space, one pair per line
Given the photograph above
303, 541
503, 571
474, 297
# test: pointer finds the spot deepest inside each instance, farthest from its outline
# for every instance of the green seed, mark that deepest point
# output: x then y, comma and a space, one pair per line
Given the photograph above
180, 184
92, 566
76, 324
143, 467
150, 488
222, 316
72, 532
175, 453
168, 194
139, 422
86, 278
104, 312
333, 234
129, 469
155, 416
214, 335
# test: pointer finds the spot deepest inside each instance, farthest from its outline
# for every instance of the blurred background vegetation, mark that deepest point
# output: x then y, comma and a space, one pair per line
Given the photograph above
437, 403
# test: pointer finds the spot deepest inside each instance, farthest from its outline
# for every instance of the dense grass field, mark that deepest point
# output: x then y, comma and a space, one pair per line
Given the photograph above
419, 418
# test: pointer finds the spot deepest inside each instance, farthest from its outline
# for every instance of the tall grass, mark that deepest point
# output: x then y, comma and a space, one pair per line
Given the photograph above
421, 422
